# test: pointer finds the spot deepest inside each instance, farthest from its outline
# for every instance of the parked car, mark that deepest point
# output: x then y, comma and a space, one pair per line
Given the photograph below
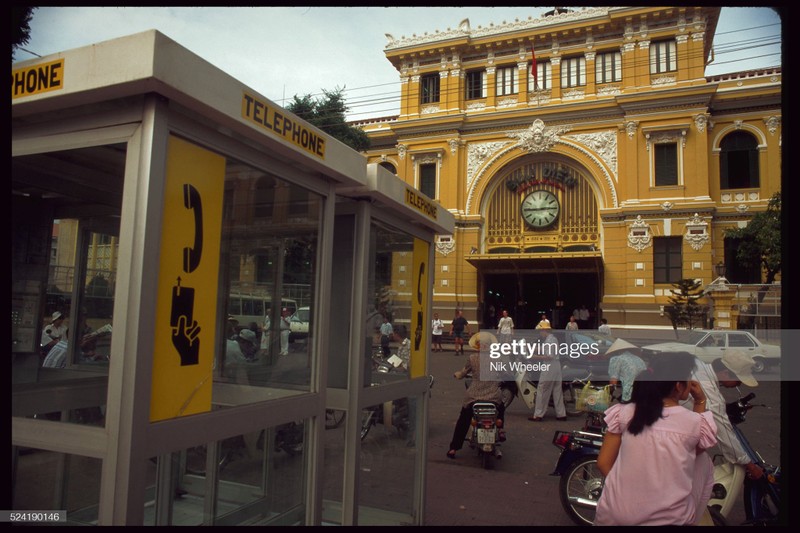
298, 324
708, 345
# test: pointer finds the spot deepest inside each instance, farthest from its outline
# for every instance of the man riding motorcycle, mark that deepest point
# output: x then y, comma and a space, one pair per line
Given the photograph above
732, 370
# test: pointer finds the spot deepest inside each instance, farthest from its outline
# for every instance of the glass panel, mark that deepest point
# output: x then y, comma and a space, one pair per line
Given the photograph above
388, 445
268, 269
333, 479
258, 478
49, 480
389, 320
64, 278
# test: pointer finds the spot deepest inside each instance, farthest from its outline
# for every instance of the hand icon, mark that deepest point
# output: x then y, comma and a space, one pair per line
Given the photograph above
185, 339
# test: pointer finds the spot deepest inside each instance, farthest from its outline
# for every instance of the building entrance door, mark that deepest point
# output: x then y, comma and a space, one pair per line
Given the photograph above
528, 295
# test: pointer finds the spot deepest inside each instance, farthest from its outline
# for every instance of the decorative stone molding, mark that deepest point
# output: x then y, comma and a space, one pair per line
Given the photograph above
627, 47
609, 90
742, 208
696, 232
644, 45
740, 196
631, 127
555, 60
666, 206
666, 137
590, 55
573, 94
490, 70
738, 124
457, 73
639, 235
428, 109
772, 124
425, 159
700, 122
682, 39
415, 78
443, 74
663, 80
603, 143
539, 97
454, 143
538, 138
507, 102
476, 106
477, 155
401, 150
628, 34
699, 36
522, 65
445, 244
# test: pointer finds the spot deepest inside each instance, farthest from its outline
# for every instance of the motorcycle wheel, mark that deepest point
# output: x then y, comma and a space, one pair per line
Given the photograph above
486, 460
765, 512
333, 418
579, 490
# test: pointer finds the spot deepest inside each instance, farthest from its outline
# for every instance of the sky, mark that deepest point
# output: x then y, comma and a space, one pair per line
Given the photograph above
285, 51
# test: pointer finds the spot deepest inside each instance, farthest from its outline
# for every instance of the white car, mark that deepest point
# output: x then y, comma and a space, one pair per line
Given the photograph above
708, 345
298, 324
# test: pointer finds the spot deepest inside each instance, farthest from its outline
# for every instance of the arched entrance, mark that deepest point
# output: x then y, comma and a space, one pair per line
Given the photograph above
540, 244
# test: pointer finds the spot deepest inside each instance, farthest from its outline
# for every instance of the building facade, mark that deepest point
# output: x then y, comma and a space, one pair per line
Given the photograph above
587, 159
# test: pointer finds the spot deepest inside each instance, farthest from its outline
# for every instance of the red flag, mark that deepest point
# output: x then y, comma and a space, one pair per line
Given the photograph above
534, 70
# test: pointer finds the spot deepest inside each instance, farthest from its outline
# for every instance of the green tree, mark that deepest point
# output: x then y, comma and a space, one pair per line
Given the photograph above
684, 309
20, 26
329, 114
760, 240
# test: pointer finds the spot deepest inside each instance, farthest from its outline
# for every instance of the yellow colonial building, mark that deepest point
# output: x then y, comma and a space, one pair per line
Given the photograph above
586, 156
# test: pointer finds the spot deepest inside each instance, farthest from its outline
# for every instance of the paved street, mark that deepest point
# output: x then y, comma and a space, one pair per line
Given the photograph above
519, 490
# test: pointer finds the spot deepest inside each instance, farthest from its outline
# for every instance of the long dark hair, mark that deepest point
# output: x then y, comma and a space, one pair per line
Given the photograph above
656, 383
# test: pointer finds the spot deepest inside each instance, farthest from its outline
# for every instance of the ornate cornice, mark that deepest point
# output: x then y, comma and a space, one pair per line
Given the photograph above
465, 31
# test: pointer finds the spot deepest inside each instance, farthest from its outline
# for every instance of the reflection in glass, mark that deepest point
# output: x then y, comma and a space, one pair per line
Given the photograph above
50, 480
388, 444
257, 478
388, 320
269, 257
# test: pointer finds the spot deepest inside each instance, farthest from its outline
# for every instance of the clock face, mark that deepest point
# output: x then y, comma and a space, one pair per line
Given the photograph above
540, 209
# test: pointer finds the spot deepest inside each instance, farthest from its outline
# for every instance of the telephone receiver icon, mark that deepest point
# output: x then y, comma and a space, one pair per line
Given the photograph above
191, 200
419, 282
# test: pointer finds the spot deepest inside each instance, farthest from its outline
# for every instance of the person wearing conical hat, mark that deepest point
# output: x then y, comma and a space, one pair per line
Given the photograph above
731, 370
623, 366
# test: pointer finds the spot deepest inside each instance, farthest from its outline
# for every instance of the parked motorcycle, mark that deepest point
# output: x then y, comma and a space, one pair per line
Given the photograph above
762, 497
485, 432
581, 481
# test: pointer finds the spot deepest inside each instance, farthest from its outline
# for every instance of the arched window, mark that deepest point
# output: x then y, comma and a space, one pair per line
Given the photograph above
738, 161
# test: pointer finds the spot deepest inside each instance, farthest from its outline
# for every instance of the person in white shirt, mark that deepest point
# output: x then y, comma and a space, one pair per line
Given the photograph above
505, 327
437, 328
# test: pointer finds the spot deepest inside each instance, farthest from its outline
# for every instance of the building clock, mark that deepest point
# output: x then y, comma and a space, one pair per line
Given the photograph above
540, 209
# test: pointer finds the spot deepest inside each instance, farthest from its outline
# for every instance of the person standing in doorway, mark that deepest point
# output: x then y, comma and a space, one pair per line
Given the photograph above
437, 327
572, 324
458, 328
604, 328
505, 327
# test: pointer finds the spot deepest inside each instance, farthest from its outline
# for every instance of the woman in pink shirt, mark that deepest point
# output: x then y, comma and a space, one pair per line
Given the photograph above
656, 473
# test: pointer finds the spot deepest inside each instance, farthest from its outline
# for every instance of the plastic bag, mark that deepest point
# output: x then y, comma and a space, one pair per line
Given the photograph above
593, 399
